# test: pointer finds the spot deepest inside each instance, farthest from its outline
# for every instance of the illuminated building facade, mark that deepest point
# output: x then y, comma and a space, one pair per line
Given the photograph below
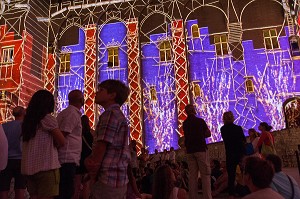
238, 55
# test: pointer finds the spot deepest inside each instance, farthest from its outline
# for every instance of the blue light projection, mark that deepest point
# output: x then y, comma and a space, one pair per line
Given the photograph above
160, 114
75, 78
113, 35
273, 73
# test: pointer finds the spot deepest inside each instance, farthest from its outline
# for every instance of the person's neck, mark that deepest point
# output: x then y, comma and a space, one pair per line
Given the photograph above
253, 188
19, 118
76, 106
107, 104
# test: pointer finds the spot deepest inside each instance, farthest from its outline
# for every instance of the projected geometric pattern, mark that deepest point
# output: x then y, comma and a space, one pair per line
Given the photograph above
160, 88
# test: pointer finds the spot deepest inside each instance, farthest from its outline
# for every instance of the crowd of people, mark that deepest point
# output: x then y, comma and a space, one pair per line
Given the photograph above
62, 157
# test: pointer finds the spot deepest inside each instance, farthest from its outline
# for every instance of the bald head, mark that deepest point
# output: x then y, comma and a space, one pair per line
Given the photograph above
19, 112
76, 98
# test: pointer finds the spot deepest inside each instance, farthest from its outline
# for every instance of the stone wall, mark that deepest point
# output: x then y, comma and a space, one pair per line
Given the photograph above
286, 143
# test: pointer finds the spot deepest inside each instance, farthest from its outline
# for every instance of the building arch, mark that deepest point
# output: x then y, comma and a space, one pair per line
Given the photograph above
291, 109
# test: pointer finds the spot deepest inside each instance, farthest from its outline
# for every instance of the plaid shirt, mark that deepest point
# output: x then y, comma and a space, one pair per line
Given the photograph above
113, 129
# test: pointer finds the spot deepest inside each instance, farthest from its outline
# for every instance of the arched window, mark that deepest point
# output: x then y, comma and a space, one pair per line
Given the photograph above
165, 51
113, 57
249, 85
291, 108
153, 94
195, 31
64, 63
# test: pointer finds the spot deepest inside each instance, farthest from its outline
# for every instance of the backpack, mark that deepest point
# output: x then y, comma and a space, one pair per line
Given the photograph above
249, 148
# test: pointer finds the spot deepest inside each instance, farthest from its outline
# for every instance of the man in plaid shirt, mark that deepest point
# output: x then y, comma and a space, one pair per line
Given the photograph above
107, 164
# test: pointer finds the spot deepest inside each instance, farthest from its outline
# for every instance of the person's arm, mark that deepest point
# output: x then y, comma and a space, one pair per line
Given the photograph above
132, 182
58, 137
181, 194
93, 162
261, 140
207, 132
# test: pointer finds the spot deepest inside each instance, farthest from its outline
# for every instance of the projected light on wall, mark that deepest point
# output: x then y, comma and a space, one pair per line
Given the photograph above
270, 70
74, 78
160, 114
113, 61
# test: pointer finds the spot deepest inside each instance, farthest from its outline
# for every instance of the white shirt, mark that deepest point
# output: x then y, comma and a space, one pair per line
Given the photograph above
69, 120
3, 149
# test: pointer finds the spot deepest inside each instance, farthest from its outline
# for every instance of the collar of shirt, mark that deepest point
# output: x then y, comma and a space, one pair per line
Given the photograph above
113, 106
76, 109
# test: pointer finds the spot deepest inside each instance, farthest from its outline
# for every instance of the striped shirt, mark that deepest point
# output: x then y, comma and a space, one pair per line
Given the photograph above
113, 129
282, 185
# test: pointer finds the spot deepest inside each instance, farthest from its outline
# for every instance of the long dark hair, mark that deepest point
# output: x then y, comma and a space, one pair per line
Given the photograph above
163, 183
85, 124
41, 104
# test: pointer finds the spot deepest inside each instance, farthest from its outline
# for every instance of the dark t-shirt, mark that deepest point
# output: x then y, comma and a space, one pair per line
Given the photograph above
194, 132
234, 139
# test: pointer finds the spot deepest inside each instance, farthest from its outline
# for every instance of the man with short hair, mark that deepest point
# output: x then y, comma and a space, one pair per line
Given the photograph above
282, 183
258, 175
13, 131
195, 131
69, 122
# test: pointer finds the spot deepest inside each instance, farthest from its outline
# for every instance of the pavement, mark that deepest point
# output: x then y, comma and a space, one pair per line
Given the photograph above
294, 172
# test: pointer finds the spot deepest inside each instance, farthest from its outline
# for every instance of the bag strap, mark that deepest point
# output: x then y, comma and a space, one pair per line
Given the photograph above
87, 144
292, 185
271, 140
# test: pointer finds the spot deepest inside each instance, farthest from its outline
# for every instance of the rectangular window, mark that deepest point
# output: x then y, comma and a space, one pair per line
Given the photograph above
7, 55
271, 39
221, 44
65, 63
153, 94
195, 31
249, 85
2, 97
165, 51
113, 57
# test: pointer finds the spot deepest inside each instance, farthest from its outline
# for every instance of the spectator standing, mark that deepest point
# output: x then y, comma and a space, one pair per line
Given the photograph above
165, 157
156, 159
234, 141
133, 160
3, 149
81, 171
172, 155
253, 138
13, 131
266, 140
195, 131
110, 156
41, 138
69, 122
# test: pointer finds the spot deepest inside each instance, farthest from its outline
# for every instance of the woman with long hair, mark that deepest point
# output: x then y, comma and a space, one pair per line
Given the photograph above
234, 141
164, 185
41, 138
253, 138
266, 140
